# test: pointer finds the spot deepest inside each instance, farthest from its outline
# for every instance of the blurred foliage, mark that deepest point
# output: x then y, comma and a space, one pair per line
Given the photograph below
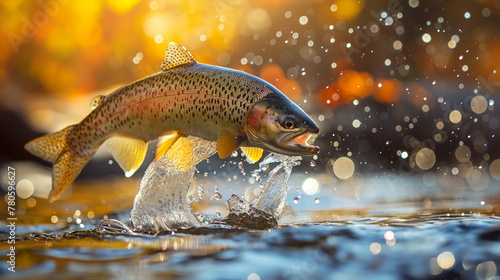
340, 49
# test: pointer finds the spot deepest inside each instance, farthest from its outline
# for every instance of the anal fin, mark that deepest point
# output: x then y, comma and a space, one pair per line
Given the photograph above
164, 143
128, 152
253, 154
227, 143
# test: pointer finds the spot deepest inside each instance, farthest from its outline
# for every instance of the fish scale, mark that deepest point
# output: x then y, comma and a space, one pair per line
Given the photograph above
186, 98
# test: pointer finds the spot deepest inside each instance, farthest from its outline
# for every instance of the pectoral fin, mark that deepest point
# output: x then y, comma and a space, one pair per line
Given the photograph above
227, 143
128, 152
253, 154
164, 143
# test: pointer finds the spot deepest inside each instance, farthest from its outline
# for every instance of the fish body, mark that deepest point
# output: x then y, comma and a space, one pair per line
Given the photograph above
214, 103
200, 100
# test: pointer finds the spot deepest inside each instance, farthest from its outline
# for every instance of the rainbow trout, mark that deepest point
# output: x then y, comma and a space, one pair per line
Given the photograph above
236, 109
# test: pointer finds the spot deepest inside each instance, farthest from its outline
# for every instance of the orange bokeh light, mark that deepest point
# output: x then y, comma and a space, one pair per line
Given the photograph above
275, 75
330, 97
387, 91
291, 88
347, 9
354, 84
272, 73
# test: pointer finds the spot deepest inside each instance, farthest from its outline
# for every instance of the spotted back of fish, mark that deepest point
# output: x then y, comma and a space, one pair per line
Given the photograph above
198, 100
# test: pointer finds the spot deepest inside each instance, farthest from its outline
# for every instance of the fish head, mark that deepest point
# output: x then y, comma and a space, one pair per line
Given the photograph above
278, 124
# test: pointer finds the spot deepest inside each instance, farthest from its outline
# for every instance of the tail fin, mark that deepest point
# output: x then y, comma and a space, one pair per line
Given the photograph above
67, 164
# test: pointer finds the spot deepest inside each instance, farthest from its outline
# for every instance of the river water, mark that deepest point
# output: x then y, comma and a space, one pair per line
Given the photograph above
392, 228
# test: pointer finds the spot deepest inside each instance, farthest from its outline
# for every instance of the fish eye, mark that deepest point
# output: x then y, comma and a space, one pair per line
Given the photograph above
288, 123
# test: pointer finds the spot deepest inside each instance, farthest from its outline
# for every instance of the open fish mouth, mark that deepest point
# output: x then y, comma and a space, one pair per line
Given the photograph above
301, 142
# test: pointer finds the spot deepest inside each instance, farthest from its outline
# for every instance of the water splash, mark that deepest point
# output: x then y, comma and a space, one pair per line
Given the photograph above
244, 215
162, 202
236, 205
264, 211
273, 196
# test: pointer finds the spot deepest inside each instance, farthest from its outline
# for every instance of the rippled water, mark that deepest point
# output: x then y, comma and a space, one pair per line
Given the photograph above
391, 236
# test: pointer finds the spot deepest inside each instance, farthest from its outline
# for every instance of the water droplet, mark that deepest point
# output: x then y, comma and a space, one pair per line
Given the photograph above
217, 195
317, 201
200, 191
303, 20
296, 200
404, 154
356, 123
426, 38
313, 163
413, 3
264, 167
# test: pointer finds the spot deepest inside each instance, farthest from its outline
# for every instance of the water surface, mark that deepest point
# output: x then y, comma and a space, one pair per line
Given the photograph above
391, 235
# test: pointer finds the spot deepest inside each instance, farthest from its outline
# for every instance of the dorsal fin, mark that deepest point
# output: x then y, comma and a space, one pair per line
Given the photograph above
176, 55
97, 101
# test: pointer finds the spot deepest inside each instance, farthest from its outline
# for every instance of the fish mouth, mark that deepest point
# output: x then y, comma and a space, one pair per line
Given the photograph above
301, 142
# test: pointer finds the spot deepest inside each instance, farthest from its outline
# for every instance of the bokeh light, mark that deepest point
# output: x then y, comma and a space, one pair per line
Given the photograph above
310, 186
425, 158
486, 270
276, 75
463, 153
495, 169
477, 178
355, 84
343, 168
455, 116
375, 248
446, 260
479, 104
25, 188
347, 9
387, 91
426, 38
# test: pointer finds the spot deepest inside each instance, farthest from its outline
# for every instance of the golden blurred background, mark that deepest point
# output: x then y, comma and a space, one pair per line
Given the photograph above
75, 47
